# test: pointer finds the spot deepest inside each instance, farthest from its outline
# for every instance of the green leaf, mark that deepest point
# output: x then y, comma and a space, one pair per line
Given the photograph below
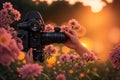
1, 77
88, 77
46, 76
95, 74
76, 78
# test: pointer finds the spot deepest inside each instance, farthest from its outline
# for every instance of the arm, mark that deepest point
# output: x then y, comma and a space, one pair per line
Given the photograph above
74, 42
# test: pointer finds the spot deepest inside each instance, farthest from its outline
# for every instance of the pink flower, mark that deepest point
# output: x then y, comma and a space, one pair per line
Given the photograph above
85, 56
72, 57
5, 18
29, 70
60, 77
49, 50
49, 28
7, 5
89, 56
14, 48
8, 48
64, 58
5, 37
14, 36
6, 55
79, 65
8, 14
8, 52
4, 12
74, 24
115, 57
16, 14
65, 28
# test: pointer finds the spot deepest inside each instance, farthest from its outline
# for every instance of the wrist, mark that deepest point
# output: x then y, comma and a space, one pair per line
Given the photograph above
80, 49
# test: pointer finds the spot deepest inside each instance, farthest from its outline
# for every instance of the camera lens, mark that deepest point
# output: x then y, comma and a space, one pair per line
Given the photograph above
38, 55
34, 26
53, 37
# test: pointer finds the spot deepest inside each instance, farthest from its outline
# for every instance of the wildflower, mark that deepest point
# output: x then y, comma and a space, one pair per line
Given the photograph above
5, 18
64, 58
29, 70
73, 57
49, 50
7, 5
49, 28
21, 56
89, 57
8, 53
95, 69
65, 28
74, 24
16, 14
5, 37
65, 49
60, 77
79, 65
115, 57
51, 60
71, 71
14, 48
82, 75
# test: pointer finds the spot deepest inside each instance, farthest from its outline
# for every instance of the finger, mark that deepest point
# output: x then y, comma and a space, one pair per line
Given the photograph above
29, 52
73, 32
31, 55
68, 34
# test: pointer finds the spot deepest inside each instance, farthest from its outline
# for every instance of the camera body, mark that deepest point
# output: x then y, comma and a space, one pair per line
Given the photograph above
33, 36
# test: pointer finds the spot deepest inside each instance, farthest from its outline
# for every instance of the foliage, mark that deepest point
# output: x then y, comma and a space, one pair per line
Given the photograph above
56, 63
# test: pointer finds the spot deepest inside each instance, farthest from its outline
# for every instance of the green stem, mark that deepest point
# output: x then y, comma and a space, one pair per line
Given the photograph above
46, 76
33, 78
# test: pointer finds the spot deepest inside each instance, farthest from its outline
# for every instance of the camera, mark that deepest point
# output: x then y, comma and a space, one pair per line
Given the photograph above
31, 31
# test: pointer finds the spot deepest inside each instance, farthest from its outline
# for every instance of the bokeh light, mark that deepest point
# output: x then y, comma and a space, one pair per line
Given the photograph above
86, 42
96, 5
114, 35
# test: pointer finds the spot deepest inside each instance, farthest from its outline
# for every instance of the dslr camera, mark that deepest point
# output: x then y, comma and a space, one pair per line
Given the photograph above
31, 31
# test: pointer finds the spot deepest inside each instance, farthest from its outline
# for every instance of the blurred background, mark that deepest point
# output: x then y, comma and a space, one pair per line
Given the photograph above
99, 19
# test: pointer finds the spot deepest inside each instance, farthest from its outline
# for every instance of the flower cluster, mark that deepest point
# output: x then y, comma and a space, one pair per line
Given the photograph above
60, 77
89, 57
68, 57
10, 44
8, 15
79, 64
49, 50
29, 70
72, 24
8, 48
115, 57
49, 28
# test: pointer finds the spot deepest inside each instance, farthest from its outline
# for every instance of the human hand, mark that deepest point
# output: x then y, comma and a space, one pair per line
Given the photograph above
74, 42
29, 56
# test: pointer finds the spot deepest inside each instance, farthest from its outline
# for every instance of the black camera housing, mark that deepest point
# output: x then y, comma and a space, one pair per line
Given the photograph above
33, 36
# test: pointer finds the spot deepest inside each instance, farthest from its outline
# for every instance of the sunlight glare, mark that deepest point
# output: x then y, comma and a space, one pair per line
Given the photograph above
96, 5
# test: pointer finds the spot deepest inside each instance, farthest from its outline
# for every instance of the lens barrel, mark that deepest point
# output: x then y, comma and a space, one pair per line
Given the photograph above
53, 37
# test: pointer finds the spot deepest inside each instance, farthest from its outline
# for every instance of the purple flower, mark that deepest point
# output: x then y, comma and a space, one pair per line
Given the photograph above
115, 57
60, 77
29, 70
